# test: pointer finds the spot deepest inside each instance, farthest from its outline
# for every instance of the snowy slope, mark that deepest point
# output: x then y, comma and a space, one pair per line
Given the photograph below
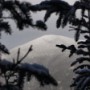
45, 52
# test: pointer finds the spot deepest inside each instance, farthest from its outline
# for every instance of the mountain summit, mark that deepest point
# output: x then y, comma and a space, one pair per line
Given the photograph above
46, 53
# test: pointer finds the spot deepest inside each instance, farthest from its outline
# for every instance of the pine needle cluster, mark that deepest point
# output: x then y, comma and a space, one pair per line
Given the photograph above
67, 15
15, 73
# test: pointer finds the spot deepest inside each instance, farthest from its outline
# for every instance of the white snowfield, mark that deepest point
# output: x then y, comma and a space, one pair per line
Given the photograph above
46, 53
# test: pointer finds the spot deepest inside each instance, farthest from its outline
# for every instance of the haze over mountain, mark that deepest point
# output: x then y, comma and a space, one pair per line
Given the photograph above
46, 53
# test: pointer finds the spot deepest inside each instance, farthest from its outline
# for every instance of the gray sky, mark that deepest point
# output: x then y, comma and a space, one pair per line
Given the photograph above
21, 37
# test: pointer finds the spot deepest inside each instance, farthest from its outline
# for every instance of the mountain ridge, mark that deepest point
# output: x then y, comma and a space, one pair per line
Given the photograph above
46, 53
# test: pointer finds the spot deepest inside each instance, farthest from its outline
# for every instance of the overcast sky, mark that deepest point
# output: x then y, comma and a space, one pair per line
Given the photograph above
21, 37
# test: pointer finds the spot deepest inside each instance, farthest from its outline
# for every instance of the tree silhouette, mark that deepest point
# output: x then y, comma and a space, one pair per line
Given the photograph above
67, 15
15, 73
20, 13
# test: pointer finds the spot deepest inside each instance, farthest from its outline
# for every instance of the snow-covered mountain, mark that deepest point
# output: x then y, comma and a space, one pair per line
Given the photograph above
46, 53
